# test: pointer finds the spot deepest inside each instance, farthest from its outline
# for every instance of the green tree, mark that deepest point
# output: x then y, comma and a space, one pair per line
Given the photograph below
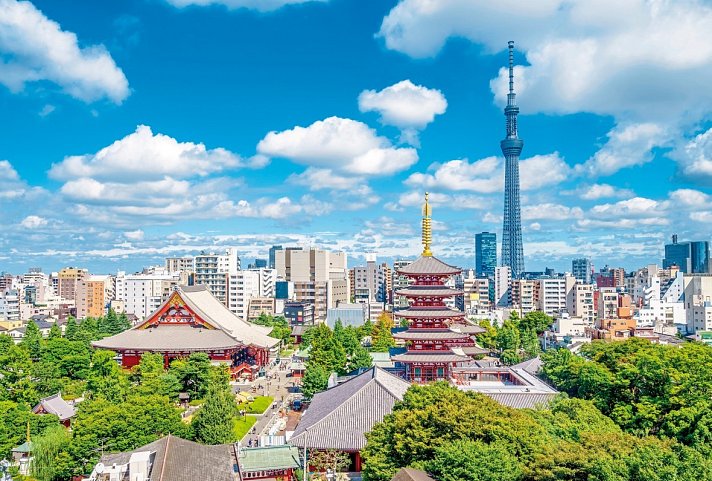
530, 343
537, 321
49, 459
55, 332
508, 337
214, 421
105, 377
70, 331
16, 376
488, 338
359, 359
32, 340
381, 335
316, 378
193, 374
14, 418
466, 460
5, 343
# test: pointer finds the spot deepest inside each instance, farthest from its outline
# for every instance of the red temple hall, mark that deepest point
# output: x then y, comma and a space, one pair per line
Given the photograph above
429, 339
193, 320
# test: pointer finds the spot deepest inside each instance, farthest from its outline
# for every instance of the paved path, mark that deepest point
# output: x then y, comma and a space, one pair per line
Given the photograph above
278, 388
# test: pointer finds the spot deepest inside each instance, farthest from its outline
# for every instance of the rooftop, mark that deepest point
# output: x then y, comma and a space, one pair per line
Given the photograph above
339, 417
268, 457
56, 405
428, 265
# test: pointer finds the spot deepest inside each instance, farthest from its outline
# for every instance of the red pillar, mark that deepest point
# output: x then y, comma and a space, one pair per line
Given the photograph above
358, 461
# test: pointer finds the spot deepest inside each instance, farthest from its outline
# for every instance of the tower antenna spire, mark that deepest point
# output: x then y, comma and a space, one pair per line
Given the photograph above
511, 67
427, 228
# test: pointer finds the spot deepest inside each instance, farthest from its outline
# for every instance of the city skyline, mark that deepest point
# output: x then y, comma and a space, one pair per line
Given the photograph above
166, 127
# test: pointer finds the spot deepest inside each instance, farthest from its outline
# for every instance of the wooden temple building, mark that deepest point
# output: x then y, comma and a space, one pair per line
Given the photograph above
193, 320
432, 347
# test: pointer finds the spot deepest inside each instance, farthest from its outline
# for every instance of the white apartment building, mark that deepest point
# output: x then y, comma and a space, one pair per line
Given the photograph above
180, 264
698, 303
503, 286
523, 295
579, 303
10, 305
370, 283
320, 277
476, 293
607, 303
399, 282
550, 294
142, 294
213, 270
244, 286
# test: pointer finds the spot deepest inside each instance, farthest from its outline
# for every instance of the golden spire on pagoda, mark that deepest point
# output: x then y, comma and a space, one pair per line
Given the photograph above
427, 228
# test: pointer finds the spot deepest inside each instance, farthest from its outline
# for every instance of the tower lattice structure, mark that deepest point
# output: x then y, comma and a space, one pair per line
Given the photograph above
512, 247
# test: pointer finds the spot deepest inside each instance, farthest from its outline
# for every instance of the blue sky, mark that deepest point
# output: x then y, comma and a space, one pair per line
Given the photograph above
136, 129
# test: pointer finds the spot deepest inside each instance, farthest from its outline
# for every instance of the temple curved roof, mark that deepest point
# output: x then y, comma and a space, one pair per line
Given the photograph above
429, 265
435, 291
432, 356
443, 334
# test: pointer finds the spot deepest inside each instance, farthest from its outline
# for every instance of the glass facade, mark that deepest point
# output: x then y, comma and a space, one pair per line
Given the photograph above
691, 257
485, 254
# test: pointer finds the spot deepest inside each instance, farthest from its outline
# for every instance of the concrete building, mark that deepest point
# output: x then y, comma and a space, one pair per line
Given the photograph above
607, 305
399, 282
180, 264
10, 305
299, 313
94, 293
582, 270
476, 294
698, 303
580, 303
68, 281
259, 306
320, 277
243, 286
142, 294
503, 286
523, 295
550, 294
370, 283
272, 256
213, 270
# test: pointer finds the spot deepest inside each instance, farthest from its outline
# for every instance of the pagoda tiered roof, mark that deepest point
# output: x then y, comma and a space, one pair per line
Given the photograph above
434, 291
428, 265
429, 312
444, 356
430, 335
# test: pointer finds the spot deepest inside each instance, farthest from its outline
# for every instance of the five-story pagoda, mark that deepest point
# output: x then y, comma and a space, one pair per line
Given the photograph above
429, 339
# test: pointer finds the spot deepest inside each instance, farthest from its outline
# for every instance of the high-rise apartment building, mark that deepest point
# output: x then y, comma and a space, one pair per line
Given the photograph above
582, 270
69, 279
320, 277
485, 254
370, 283
246, 285
93, 296
272, 255
523, 294
551, 294
476, 293
503, 286
512, 246
180, 264
691, 257
141, 294
213, 270
399, 282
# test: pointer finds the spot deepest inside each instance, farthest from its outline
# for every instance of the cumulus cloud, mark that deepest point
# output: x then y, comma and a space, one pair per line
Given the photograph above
135, 235
147, 156
487, 175
35, 48
602, 191
342, 145
627, 146
259, 5
695, 158
550, 211
33, 222
404, 105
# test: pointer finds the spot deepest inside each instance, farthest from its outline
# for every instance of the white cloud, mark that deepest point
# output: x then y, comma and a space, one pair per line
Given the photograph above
46, 110
259, 5
143, 155
135, 235
404, 105
318, 179
602, 191
33, 222
689, 198
627, 146
695, 157
487, 175
436, 199
550, 211
339, 144
35, 48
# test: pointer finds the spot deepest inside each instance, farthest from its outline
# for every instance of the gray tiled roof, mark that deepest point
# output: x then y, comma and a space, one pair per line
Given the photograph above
467, 328
169, 338
429, 334
58, 406
339, 417
436, 312
177, 459
410, 474
446, 356
428, 265
521, 400
474, 350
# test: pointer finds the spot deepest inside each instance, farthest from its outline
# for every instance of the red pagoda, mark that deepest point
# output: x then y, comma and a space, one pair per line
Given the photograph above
429, 339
